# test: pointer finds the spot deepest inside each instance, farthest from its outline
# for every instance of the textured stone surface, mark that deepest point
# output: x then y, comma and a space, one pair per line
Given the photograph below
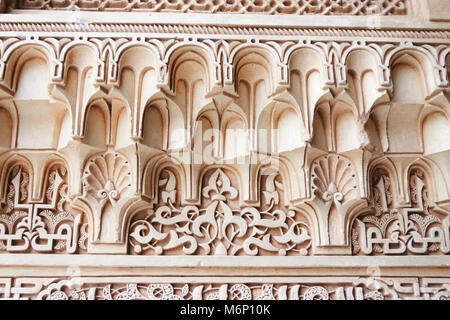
209, 146
325, 7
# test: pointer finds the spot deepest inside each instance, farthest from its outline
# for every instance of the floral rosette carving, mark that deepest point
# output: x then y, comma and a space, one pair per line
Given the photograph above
50, 226
219, 226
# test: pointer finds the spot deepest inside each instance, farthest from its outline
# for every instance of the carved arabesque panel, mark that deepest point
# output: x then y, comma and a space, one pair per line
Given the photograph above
421, 228
51, 226
219, 226
298, 7
303, 288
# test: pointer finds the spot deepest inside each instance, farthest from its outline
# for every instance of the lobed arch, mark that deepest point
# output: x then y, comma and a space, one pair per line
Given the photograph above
336, 126
190, 80
37, 65
8, 125
200, 54
284, 123
137, 57
434, 130
316, 61
387, 165
77, 44
137, 81
152, 171
416, 60
94, 133
206, 132
8, 165
268, 53
234, 132
308, 80
53, 161
261, 57
359, 46
434, 177
155, 124
281, 167
79, 82
363, 77
81, 56
15, 54
130, 45
34, 105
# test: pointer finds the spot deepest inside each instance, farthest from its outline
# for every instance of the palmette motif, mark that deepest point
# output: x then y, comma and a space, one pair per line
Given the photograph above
418, 229
218, 227
50, 226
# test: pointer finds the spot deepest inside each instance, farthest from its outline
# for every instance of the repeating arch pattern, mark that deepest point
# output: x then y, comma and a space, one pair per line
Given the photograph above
145, 122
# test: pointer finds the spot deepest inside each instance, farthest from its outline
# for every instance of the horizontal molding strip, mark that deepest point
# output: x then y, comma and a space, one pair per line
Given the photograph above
200, 19
218, 261
99, 24
122, 30
117, 265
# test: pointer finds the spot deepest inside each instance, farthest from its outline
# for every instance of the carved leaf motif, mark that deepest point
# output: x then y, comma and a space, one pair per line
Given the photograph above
292, 235
169, 183
219, 183
11, 219
383, 222
54, 220
107, 176
424, 222
333, 178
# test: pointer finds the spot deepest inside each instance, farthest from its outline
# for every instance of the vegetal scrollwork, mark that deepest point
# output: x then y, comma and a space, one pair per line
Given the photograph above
326, 7
39, 227
419, 229
219, 227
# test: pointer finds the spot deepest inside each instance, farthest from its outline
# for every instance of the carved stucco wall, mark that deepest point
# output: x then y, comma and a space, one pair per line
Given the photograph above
249, 156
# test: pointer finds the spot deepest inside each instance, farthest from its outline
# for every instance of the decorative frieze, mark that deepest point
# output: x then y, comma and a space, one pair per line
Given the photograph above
420, 228
304, 288
219, 226
296, 7
177, 160
218, 111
